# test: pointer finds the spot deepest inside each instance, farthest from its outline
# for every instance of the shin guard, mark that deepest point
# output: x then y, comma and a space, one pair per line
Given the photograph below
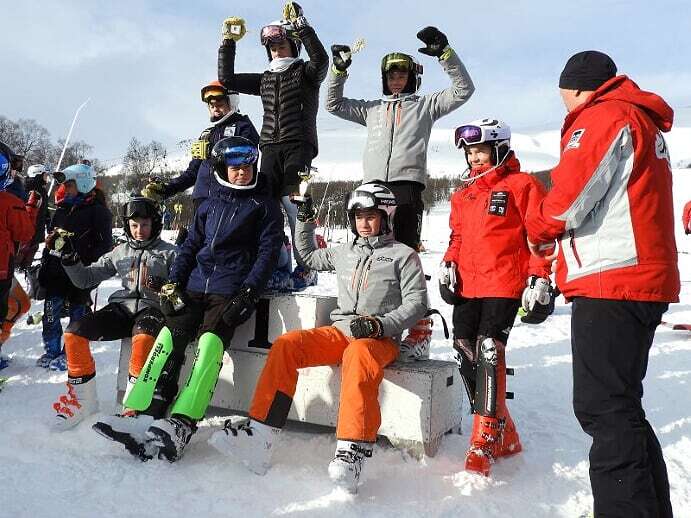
139, 398
465, 353
196, 394
490, 390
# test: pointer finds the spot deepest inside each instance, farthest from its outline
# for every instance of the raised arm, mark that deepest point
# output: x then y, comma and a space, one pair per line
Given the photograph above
234, 30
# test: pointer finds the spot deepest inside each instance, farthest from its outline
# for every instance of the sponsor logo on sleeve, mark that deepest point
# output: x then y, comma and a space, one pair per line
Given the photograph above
575, 140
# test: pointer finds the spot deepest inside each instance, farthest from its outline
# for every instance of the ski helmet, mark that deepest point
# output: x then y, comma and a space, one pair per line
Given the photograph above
37, 170
234, 152
83, 175
5, 165
372, 196
492, 132
401, 61
278, 31
141, 207
215, 90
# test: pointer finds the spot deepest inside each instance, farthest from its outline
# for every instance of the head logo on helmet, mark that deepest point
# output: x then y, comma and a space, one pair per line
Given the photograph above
372, 196
492, 132
83, 175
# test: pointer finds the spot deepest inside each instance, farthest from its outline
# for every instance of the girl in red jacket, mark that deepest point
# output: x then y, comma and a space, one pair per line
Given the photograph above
485, 271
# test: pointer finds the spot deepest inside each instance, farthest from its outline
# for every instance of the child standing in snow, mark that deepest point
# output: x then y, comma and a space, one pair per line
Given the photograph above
485, 271
142, 263
381, 291
289, 90
83, 224
215, 283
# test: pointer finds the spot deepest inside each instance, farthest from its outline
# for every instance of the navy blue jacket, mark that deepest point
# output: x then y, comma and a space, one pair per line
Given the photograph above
92, 223
233, 243
199, 172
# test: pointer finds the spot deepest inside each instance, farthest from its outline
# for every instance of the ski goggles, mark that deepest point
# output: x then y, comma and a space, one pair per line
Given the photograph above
400, 60
470, 134
5, 165
214, 95
365, 200
236, 156
273, 34
138, 209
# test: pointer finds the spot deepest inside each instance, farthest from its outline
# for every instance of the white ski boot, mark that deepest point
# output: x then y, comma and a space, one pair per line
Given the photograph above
129, 429
79, 402
415, 346
249, 442
345, 468
171, 435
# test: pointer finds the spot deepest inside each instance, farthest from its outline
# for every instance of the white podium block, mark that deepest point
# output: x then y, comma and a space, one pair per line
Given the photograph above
420, 401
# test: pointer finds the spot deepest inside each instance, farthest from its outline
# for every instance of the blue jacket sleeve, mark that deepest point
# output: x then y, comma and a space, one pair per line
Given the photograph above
246, 129
186, 257
270, 241
185, 180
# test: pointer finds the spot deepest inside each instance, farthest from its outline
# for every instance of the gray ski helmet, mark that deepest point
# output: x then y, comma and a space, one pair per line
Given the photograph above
141, 207
399, 60
372, 196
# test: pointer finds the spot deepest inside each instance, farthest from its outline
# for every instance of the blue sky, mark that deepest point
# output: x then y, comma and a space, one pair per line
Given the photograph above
142, 63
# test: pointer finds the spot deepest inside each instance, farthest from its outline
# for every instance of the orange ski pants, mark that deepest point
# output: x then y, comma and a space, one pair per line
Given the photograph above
363, 361
18, 304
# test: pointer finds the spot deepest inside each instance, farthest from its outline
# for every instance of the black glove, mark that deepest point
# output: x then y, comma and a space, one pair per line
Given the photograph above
435, 40
241, 307
540, 312
306, 210
173, 299
338, 61
70, 259
366, 327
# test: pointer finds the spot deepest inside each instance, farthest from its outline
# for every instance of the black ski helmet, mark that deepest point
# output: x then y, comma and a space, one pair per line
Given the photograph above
399, 60
234, 151
372, 196
5, 164
278, 31
141, 207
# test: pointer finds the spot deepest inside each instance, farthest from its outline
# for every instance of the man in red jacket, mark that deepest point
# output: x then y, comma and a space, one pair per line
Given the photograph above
611, 208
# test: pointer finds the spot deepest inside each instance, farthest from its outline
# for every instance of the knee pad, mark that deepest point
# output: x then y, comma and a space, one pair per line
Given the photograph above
150, 324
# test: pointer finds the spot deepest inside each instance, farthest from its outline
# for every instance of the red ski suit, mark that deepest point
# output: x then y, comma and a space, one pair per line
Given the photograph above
16, 226
686, 218
611, 199
488, 237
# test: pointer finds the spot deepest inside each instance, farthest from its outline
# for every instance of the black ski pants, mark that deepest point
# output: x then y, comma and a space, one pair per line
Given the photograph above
282, 163
407, 222
115, 321
610, 341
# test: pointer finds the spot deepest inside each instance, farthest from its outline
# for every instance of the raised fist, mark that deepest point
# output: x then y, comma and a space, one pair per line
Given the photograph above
233, 28
341, 57
435, 41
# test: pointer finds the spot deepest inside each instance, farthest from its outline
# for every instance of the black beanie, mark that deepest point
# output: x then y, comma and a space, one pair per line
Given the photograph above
587, 70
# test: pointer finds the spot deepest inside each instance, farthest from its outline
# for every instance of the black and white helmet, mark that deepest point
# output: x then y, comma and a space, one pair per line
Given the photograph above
372, 196
141, 207
492, 132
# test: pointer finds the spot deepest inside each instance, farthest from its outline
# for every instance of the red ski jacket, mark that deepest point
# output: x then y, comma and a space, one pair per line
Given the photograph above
611, 199
16, 226
488, 236
686, 218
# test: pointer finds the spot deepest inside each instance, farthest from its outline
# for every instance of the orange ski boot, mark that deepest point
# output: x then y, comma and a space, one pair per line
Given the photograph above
509, 441
484, 445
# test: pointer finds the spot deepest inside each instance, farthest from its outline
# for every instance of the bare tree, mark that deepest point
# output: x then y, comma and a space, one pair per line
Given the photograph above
141, 162
26, 137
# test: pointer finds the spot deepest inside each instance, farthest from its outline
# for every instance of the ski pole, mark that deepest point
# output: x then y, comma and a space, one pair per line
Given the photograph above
67, 141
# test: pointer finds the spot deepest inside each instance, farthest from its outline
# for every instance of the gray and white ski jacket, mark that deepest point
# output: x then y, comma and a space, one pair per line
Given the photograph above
376, 276
142, 270
399, 126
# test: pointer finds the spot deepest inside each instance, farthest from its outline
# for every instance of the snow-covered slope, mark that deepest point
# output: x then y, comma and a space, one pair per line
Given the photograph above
79, 474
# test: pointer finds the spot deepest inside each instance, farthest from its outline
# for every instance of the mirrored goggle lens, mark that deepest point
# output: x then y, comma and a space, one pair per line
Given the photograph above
273, 34
359, 200
468, 135
240, 155
137, 209
4, 165
214, 95
396, 61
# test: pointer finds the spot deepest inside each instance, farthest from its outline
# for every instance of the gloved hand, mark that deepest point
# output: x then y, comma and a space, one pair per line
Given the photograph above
306, 210
292, 11
447, 275
341, 57
154, 191
154, 282
241, 307
435, 41
35, 200
173, 299
537, 300
70, 259
233, 28
366, 327
59, 242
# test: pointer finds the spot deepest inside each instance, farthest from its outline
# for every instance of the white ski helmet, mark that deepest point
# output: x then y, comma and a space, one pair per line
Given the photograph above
83, 175
37, 170
372, 196
278, 31
492, 132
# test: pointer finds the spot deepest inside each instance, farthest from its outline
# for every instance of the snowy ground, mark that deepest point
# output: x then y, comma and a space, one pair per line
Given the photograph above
79, 474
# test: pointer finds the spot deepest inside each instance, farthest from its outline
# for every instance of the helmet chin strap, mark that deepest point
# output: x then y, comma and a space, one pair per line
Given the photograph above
465, 175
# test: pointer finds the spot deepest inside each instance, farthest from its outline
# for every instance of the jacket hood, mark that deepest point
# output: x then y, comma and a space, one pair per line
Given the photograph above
621, 88
375, 241
510, 165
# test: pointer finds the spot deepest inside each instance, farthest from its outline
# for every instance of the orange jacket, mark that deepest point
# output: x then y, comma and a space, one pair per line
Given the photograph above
611, 199
16, 226
488, 236
686, 218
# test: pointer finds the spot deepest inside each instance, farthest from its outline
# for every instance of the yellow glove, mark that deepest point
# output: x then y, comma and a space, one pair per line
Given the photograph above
233, 28
154, 191
200, 149
292, 11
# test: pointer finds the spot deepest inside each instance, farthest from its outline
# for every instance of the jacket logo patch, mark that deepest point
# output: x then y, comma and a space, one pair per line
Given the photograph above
498, 203
229, 131
386, 259
575, 140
